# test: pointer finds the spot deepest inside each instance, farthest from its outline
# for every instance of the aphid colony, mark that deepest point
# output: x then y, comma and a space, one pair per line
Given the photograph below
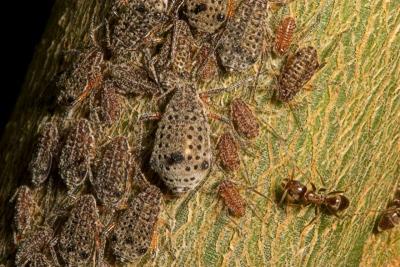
152, 49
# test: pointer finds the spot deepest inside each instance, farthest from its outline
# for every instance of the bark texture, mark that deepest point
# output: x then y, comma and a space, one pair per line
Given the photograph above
351, 135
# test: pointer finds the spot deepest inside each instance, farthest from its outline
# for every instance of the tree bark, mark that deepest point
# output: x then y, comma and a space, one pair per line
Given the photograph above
351, 136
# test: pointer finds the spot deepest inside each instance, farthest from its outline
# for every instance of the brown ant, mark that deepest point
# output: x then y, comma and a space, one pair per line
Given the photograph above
391, 215
296, 192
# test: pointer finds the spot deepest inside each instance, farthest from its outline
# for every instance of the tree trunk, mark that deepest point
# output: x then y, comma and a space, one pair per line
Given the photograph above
351, 136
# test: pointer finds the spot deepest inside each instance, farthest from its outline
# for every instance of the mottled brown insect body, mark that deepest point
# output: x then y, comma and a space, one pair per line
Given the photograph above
38, 242
44, 153
207, 15
84, 76
79, 235
206, 62
296, 72
132, 22
244, 36
106, 105
228, 152
243, 119
76, 155
132, 234
112, 172
24, 209
128, 80
182, 149
40, 260
232, 198
175, 58
284, 35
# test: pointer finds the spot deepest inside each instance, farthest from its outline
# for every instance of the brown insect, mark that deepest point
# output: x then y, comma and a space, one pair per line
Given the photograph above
112, 171
391, 215
228, 152
297, 71
106, 104
77, 155
44, 153
79, 239
284, 35
244, 120
206, 61
39, 241
334, 201
23, 211
132, 233
294, 190
232, 198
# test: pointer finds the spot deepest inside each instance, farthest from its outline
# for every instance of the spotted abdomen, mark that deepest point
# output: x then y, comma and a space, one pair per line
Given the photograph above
182, 152
298, 71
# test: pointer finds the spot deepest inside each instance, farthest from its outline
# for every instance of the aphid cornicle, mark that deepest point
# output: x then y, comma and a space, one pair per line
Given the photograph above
76, 155
297, 71
79, 236
243, 119
112, 171
182, 150
228, 152
284, 35
232, 198
244, 36
44, 153
132, 234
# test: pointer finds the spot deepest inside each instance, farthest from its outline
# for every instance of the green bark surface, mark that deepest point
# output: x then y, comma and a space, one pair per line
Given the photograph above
351, 136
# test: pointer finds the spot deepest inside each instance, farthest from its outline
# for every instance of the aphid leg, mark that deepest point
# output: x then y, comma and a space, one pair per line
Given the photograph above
53, 253
237, 227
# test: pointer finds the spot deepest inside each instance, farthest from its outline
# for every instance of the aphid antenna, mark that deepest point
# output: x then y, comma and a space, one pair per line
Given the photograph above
220, 90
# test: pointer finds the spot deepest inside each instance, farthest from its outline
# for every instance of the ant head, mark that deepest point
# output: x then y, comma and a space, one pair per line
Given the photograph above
295, 189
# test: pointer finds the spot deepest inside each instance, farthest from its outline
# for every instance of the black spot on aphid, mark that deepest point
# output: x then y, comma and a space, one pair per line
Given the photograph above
200, 138
200, 8
175, 158
187, 169
205, 165
192, 178
83, 255
220, 17
141, 8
